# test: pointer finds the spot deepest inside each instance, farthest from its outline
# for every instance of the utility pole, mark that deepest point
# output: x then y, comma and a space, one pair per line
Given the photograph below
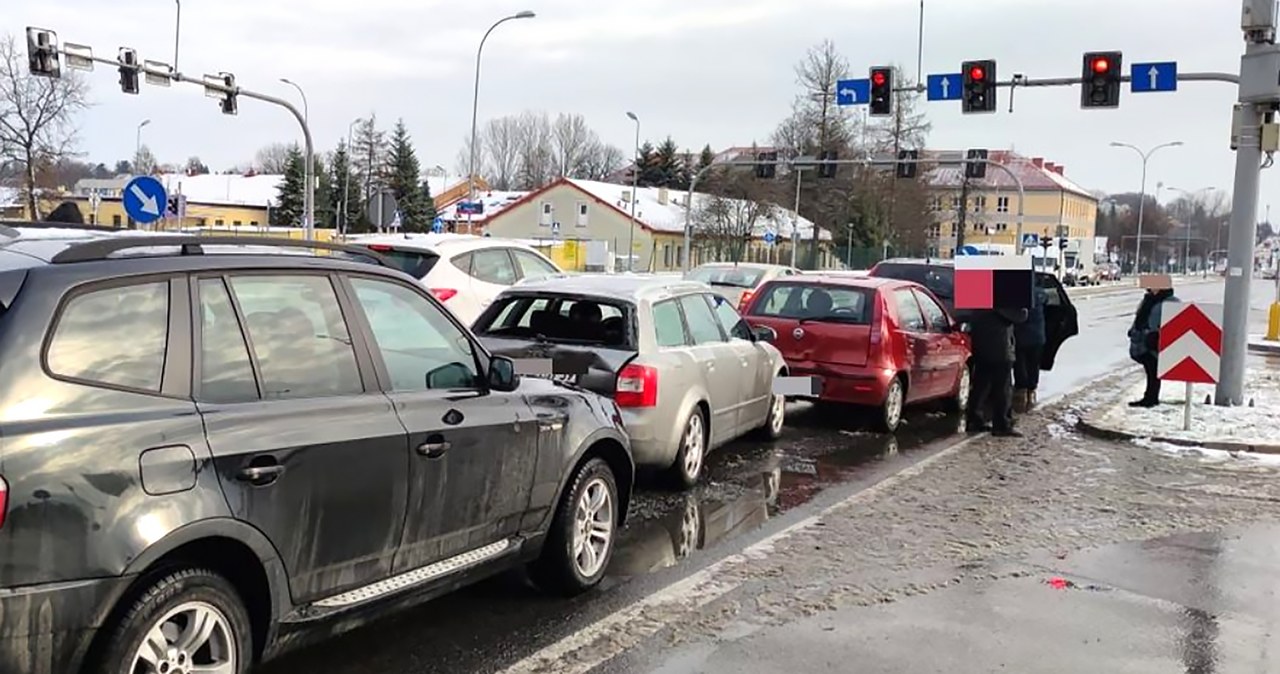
1258, 90
961, 213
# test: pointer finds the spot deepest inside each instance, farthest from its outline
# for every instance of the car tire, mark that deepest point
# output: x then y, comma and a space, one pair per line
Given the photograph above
583, 534
891, 409
691, 456
193, 615
960, 401
775, 419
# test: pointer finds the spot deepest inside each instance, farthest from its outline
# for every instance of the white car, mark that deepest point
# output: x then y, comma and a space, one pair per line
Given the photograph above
464, 272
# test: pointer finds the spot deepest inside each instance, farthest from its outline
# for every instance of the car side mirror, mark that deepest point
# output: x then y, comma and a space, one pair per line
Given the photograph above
502, 374
764, 333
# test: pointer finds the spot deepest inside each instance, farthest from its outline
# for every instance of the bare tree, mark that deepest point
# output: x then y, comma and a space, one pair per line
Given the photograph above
272, 159
599, 160
571, 139
144, 162
535, 151
816, 123
36, 118
529, 150
731, 215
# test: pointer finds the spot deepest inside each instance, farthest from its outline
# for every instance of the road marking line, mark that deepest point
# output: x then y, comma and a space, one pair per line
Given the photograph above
626, 628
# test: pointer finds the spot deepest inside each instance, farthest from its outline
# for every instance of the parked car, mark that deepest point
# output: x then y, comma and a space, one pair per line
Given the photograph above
211, 452
464, 272
871, 342
688, 373
1061, 318
738, 280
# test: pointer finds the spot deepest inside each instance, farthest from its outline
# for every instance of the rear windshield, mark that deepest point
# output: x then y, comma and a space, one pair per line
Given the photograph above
814, 301
560, 319
734, 277
415, 263
940, 280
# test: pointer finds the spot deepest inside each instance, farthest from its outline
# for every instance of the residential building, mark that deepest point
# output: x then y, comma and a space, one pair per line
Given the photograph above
583, 215
11, 207
1055, 206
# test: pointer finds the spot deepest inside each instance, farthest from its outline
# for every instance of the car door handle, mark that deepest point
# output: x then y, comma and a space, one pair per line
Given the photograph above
260, 475
434, 450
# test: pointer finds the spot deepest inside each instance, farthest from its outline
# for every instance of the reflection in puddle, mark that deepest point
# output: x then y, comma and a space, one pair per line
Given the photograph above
751, 483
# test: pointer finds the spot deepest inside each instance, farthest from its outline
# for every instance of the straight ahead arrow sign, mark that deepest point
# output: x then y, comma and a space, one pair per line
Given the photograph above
946, 88
1153, 76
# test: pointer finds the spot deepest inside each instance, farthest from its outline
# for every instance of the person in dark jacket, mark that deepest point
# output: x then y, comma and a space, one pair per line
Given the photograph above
1028, 339
68, 212
1144, 341
990, 400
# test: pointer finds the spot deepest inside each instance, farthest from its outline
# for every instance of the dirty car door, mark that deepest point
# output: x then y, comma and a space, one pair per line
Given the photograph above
473, 452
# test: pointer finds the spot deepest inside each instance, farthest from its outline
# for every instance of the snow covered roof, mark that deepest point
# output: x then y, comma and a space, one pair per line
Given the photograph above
229, 190
1034, 172
670, 216
9, 196
494, 202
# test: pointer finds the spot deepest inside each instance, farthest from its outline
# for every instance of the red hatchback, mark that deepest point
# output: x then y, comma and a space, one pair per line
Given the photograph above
870, 341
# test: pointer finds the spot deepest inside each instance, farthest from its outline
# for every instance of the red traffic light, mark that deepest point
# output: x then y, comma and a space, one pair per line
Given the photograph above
977, 73
877, 78
1101, 65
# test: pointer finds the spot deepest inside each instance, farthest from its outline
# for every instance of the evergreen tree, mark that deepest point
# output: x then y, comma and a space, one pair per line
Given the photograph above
288, 208
369, 156
431, 203
707, 157
650, 173
670, 165
344, 180
404, 179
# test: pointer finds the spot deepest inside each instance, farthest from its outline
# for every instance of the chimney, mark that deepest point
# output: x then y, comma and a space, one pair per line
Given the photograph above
1048, 166
664, 196
1037, 162
626, 196
1058, 168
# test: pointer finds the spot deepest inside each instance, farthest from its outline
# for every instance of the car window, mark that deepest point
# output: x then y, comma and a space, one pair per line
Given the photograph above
730, 320
934, 313
814, 301
226, 372
532, 266
298, 335
939, 280
421, 347
558, 318
734, 277
667, 324
416, 263
115, 336
703, 326
493, 265
909, 316
1052, 291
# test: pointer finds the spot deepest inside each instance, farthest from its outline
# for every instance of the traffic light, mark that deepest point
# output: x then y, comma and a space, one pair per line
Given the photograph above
171, 207
881, 92
42, 53
1062, 243
229, 106
975, 165
766, 165
128, 70
222, 87
979, 86
827, 167
907, 163
1100, 80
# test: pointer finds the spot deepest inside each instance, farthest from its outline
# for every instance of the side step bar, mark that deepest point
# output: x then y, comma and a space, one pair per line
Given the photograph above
418, 576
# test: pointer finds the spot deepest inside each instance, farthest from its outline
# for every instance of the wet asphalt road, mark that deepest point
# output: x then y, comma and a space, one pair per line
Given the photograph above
752, 489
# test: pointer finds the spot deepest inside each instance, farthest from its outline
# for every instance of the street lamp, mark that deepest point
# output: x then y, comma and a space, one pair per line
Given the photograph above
1142, 195
635, 186
307, 177
346, 181
475, 105
137, 145
1191, 196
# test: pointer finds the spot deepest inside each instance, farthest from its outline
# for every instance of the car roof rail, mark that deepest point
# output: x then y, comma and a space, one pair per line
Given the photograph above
188, 244
49, 224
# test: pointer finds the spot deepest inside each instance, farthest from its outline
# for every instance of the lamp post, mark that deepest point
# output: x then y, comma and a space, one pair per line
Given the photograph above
307, 170
1142, 195
635, 185
475, 105
346, 182
137, 144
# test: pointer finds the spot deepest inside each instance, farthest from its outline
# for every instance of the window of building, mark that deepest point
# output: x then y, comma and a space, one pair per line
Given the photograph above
1002, 204
666, 255
218, 222
955, 203
936, 229
236, 223
253, 223
979, 204
115, 336
115, 220
582, 214
935, 203
1002, 226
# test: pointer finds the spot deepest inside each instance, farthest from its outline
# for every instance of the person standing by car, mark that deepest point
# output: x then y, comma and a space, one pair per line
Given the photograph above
1029, 340
990, 402
1144, 341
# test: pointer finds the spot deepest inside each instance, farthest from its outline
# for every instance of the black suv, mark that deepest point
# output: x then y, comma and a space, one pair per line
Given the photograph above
208, 448
1061, 320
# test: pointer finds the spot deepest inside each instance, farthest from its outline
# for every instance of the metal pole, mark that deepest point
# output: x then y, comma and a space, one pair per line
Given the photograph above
346, 183
795, 218
920, 47
308, 171
635, 193
1142, 195
475, 107
177, 32
1240, 238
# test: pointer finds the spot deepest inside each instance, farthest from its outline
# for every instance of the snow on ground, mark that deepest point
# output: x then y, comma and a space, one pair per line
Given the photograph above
1212, 455
1251, 424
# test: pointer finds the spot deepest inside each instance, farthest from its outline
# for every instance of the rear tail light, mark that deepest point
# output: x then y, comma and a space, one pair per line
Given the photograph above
443, 294
4, 499
637, 387
379, 247
746, 299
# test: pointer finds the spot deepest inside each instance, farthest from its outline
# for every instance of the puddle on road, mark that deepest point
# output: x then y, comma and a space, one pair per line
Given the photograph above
750, 482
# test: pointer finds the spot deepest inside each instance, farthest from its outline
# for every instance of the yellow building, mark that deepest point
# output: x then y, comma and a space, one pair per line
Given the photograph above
1055, 206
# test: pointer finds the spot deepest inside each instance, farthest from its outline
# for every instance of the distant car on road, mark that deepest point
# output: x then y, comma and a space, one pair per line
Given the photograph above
688, 373
738, 280
464, 272
871, 341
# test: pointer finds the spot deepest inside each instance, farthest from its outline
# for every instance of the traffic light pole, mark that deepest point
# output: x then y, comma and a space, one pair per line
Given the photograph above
308, 198
866, 163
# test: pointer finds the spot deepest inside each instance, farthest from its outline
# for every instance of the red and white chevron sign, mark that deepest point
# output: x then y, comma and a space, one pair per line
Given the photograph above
1190, 342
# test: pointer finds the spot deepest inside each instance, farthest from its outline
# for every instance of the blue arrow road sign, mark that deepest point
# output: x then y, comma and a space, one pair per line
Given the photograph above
770, 237
437, 225
967, 250
853, 92
945, 87
144, 199
1153, 76
1030, 240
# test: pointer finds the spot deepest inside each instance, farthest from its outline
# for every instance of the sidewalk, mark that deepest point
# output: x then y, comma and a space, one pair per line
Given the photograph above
1253, 427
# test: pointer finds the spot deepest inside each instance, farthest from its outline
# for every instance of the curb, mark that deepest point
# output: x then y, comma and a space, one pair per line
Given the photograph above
1257, 345
1095, 429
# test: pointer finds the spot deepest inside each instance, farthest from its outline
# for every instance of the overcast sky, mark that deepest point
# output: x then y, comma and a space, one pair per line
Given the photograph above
703, 71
